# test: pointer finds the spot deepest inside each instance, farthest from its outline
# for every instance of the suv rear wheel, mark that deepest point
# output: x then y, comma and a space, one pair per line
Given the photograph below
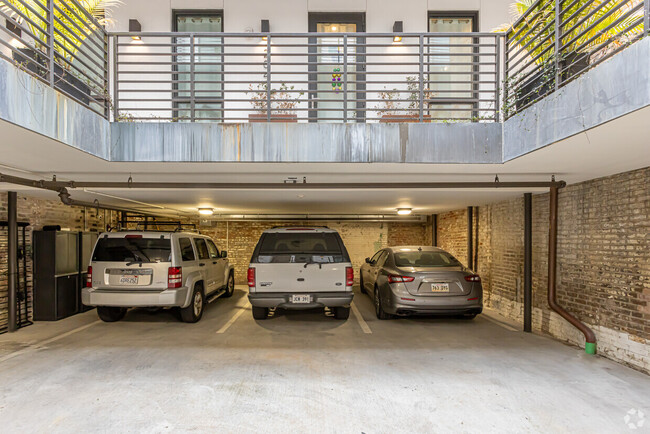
342, 312
110, 314
194, 311
230, 286
260, 312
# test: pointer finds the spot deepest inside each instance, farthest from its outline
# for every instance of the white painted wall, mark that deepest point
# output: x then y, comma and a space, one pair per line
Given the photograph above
291, 15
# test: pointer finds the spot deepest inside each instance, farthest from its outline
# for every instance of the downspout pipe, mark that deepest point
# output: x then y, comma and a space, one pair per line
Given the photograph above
590, 337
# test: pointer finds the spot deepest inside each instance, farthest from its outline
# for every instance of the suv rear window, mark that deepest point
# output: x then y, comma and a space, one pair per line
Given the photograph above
132, 249
301, 247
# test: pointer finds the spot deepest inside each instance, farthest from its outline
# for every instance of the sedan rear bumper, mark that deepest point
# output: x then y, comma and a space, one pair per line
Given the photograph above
454, 305
283, 300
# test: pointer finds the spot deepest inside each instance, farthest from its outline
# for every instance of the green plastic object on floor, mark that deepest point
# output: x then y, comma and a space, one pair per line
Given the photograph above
590, 348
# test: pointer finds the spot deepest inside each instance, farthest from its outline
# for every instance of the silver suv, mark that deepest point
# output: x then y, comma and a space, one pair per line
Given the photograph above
156, 269
300, 268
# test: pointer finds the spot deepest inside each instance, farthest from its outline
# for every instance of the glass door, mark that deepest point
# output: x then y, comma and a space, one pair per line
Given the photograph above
451, 69
208, 66
330, 98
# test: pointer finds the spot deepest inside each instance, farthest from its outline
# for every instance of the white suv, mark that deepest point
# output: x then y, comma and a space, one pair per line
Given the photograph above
156, 269
300, 268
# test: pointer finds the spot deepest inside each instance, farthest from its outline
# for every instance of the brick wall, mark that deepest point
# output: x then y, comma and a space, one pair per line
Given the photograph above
362, 239
603, 261
38, 213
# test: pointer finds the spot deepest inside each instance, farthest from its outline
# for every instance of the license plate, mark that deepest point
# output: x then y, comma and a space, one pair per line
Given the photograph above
129, 280
300, 299
439, 287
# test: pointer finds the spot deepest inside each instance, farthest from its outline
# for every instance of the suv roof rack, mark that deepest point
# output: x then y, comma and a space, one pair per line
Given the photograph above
300, 226
153, 226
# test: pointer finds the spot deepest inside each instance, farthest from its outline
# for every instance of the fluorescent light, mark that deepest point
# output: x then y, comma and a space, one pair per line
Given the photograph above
404, 211
206, 211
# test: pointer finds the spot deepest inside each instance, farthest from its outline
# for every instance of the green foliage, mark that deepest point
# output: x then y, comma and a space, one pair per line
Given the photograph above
71, 24
585, 26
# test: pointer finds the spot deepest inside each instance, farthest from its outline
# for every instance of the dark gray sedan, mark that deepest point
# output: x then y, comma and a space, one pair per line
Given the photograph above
419, 281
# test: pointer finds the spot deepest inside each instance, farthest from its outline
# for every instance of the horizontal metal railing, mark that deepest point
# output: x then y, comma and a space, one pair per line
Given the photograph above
555, 41
60, 43
310, 77
316, 77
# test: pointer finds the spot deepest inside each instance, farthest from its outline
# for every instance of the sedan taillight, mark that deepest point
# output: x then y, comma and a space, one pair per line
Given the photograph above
473, 278
349, 276
175, 277
89, 278
394, 278
251, 277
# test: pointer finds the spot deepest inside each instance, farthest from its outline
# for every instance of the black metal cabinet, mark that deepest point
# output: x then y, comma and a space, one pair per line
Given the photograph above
60, 262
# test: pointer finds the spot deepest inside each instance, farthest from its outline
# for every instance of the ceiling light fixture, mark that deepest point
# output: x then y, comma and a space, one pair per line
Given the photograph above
404, 211
206, 211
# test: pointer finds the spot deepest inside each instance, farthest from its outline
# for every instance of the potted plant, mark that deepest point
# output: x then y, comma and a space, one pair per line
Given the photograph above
71, 30
391, 110
283, 103
589, 31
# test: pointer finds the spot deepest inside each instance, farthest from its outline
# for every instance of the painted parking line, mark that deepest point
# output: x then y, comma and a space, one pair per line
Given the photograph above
232, 320
360, 320
499, 323
41, 344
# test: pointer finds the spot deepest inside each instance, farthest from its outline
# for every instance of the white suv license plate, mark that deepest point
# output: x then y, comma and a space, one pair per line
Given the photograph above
439, 287
300, 298
129, 280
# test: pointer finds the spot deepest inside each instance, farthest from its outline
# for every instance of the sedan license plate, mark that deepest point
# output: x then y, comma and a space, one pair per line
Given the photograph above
300, 299
439, 287
129, 280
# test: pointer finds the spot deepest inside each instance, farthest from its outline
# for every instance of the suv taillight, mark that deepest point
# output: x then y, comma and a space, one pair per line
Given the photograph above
473, 278
349, 276
175, 277
251, 277
89, 278
393, 278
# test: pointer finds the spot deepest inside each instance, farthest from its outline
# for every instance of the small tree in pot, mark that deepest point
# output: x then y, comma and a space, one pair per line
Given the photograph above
283, 103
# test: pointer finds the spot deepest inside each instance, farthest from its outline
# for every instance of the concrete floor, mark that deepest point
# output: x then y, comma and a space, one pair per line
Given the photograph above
304, 372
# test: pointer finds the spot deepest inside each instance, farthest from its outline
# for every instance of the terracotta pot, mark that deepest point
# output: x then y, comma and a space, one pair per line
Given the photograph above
404, 118
275, 117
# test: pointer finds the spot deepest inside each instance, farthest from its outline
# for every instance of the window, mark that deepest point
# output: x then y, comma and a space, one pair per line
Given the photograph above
202, 248
425, 259
132, 249
451, 71
208, 70
187, 252
376, 256
214, 252
382, 258
301, 247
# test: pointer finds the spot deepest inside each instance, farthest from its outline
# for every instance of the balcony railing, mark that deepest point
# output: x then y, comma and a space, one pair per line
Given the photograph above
555, 41
333, 77
60, 43
315, 77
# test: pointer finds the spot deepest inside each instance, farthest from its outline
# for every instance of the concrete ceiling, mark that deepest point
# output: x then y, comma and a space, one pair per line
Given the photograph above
618, 146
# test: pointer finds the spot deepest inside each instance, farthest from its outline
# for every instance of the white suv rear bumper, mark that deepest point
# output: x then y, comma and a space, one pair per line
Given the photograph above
283, 300
121, 298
